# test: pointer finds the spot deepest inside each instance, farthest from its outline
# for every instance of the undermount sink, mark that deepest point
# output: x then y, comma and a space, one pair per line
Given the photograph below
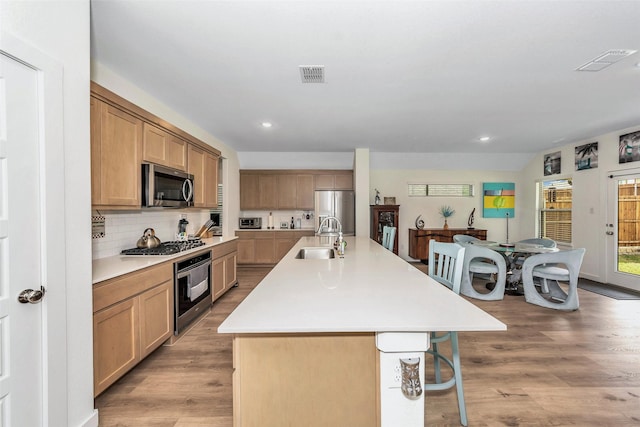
316, 253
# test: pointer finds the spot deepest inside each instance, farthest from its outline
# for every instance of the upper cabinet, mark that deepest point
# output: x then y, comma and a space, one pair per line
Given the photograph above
123, 136
116, 147
288, 189
162, 148
204, 168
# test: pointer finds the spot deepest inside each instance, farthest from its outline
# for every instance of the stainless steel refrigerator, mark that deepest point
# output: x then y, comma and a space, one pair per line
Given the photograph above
339, 204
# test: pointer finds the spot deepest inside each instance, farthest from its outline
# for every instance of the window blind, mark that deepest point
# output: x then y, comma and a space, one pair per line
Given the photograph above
440, 190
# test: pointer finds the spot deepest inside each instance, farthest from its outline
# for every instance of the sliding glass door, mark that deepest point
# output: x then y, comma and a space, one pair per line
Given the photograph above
623, 229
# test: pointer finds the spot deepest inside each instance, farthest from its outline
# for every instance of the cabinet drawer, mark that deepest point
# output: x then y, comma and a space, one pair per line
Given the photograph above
120, 288
224, 249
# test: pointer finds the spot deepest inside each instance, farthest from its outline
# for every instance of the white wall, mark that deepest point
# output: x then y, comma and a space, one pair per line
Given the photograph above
361, 183
589, 196
60, 29
394, 183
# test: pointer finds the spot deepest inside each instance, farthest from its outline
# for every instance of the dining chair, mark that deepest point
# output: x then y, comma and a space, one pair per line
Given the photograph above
553, 267
463, 238
445, 266
547, 243
388, 237
480, 260
542, 241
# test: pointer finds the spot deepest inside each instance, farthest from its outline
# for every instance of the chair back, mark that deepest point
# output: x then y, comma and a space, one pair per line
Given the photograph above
463, 238
445, 264
388, 237
544, 242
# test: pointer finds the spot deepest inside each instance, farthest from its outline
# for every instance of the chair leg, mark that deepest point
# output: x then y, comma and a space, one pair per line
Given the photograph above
436, 360
458, 375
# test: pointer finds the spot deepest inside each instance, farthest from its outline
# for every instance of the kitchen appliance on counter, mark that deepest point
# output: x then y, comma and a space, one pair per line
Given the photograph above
250, 223
165, 248
339, 204
166, 187
192, 289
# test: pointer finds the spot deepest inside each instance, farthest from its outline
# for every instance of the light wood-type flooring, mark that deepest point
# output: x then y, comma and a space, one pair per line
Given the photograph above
550, 368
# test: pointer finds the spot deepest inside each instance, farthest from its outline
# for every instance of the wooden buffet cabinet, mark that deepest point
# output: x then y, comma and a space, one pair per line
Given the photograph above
384, 215
124, 135
419, 239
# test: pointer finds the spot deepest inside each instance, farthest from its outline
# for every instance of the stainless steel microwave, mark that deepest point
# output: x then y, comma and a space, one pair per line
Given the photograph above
166, 187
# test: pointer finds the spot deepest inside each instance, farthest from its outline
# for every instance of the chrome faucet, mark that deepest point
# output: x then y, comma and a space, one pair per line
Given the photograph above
339, 243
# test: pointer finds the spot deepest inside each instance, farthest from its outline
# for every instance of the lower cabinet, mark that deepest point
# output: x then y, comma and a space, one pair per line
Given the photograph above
223, 268
133, 315
267, 247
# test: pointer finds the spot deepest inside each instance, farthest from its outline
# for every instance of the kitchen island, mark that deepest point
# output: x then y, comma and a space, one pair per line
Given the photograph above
307, 339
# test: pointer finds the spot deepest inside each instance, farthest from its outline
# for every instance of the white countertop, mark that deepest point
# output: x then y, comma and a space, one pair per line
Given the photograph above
369, 290
276, 229
110, 267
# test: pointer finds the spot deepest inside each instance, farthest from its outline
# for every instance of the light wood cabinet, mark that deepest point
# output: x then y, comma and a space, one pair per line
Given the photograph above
223, 268
116, 153
288, 189
133, 315
338, 180
266, 247
124, 135
204, 168
163, 148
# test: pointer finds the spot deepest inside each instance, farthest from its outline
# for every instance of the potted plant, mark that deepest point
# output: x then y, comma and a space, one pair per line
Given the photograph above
446, 211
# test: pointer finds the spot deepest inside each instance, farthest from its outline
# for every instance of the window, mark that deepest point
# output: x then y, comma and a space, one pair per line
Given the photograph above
442, 190
554, 215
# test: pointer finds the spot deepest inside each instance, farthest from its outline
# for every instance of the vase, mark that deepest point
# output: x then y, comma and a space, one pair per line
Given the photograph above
446, 226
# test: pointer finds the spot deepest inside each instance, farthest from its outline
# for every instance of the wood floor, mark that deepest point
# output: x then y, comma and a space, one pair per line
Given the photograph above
549, 368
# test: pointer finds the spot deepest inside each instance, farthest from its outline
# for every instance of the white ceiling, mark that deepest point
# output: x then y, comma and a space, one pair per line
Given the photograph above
401, 76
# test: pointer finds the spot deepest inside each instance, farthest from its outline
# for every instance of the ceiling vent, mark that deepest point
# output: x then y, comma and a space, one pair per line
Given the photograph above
312, 73
605, 59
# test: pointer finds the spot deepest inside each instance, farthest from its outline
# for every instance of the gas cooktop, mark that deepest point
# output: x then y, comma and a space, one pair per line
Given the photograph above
166, 248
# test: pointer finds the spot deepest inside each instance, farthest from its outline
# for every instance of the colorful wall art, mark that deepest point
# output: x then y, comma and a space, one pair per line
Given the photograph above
499, 199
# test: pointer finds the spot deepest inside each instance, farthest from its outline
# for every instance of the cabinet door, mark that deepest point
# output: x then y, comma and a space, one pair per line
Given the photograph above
249, 191
268, 193
218, 278
196, 168
156, 317
210, 180
116, 343
230, 277
305, 192
287, 191
117, 155
324, 182
246, 251
163, 148
265, 250
282, 247
344, 182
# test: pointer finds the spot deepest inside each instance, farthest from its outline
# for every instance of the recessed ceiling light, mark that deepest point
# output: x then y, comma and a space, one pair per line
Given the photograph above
266, 124
484, 138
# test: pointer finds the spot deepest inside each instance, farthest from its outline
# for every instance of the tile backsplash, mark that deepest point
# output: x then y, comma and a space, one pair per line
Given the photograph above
122, 230
283, 216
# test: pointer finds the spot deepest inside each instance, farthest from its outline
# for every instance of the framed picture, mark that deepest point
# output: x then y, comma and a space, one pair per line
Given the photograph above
498, 199
629, 148
587, 156
552, 163
389, 200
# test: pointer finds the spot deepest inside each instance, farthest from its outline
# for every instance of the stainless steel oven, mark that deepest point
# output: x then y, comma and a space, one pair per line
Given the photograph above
192, 280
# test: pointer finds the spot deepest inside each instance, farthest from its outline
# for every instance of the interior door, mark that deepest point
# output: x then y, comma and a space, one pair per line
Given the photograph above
21, 377
623, 229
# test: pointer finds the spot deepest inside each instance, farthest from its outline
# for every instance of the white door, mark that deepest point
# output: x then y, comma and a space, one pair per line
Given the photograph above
33, 372
623, 229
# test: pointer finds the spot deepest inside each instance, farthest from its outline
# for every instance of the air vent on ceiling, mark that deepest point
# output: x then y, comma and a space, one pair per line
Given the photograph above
605, 59
312, 73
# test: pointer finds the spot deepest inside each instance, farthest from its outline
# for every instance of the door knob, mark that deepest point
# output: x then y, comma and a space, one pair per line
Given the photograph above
31, 296
610, 233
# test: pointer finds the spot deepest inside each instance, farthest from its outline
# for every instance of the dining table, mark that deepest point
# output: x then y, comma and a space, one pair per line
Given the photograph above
514, 254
